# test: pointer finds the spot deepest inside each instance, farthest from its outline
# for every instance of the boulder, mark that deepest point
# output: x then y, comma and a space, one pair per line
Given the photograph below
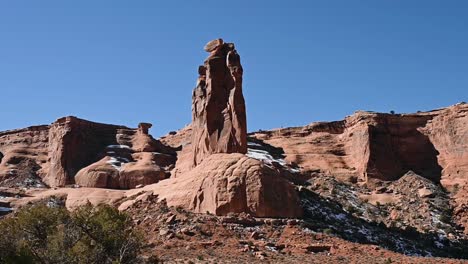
230, 183
101, 174
115, 173
425, 193
213, 45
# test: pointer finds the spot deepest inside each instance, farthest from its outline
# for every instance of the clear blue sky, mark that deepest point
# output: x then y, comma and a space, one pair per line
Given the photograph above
123, 62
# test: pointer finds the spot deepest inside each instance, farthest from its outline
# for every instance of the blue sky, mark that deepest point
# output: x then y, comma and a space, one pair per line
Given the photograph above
123, 62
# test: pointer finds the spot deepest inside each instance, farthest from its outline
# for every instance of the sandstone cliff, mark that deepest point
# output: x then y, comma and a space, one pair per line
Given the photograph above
371, 146
54, 154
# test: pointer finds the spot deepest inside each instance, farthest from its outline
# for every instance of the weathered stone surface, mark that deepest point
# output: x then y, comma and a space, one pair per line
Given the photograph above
55, 153
213, 45
376, 146
448, 131
110, 173
73, 144
218, 107
23, 155
139, 160
100, 174
230, 183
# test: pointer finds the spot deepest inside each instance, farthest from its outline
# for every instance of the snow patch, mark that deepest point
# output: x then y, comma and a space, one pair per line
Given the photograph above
340, 217
268, 159
5, 209
117, 163
118, 147
263, 156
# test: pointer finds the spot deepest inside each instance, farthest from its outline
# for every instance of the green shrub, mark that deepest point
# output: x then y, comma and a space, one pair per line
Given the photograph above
39, 234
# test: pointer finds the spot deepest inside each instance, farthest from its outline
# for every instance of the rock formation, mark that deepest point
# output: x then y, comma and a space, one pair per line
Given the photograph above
54, 155
230, 183
134, 159
212, 174
371, 147
374, 146
73, 144
23, 156
215, 170
218, 107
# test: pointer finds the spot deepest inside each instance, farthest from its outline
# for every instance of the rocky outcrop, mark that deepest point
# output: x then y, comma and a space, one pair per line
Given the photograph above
218, 107
137, 159
370, 146
53, 154
212, 174
230, 183
448, 131
23, 156
73, 144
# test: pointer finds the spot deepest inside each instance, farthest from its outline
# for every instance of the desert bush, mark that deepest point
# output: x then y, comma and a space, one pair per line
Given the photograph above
42, 234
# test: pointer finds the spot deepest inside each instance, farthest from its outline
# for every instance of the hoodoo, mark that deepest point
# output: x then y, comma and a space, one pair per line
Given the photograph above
212, 173
218, 107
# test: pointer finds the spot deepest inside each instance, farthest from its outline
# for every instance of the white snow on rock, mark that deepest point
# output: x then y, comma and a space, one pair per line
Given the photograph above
253, 144
264, 156
118, 147
268, 159
5, 209
117, 163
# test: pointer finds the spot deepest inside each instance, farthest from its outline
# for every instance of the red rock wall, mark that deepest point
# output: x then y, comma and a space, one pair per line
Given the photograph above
57, 152
375, 146
23, 147
397, 146
73, 144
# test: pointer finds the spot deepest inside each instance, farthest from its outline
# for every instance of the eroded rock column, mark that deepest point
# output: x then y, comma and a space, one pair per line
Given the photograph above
218, 105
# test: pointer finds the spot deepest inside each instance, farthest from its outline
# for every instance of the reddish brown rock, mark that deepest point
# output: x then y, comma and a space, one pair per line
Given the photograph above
181, 141
230, 183
377, 146
112, 173
23, 155
139, 159
213, 45
73, 144
448, 131
101, 174
374, 146
218, 107
54, 154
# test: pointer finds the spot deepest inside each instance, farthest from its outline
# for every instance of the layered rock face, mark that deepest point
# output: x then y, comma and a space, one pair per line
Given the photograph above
73, 144
218, 107
374, 146
55, 154
23, 155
